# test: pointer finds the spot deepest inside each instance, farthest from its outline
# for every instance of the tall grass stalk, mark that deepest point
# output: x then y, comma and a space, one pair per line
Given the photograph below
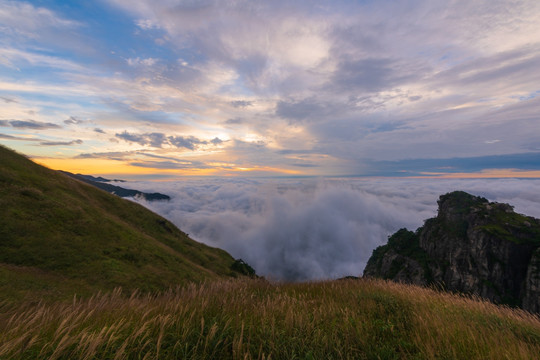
255, 319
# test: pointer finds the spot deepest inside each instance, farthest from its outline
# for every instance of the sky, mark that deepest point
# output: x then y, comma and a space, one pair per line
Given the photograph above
158, 89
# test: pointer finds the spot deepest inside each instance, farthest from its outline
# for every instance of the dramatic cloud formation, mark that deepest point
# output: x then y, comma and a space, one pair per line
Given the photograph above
256, 87
315, 229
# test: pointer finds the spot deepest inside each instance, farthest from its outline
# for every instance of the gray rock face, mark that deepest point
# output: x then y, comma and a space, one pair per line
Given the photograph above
531, 297
472, 246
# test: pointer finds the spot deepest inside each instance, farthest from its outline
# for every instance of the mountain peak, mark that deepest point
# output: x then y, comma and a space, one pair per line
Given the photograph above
460, 199
472, 246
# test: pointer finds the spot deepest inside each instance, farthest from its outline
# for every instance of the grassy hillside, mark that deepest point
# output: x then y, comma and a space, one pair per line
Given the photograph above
254, 319
59, 236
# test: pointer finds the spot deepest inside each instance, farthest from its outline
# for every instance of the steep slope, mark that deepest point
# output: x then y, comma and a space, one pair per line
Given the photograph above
472, 246
59, 236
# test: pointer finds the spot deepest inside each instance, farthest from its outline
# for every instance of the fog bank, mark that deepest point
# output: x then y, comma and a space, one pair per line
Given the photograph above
290, 229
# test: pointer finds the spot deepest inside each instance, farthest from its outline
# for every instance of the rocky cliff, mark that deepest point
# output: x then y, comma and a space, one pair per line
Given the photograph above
472, 246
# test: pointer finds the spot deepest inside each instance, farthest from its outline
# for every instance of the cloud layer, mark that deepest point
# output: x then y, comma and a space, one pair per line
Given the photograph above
315, 229
311, 88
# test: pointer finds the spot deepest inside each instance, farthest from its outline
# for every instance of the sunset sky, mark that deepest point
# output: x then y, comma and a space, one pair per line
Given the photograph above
152, 89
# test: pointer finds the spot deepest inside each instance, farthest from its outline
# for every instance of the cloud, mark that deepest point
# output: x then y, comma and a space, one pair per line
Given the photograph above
316, 110
98, 130
306, 165
145, 159
370, 75
159, 139
61, 143
241, 103
497, 74
189, 142
234, 121
8, 100
146, 24
41, 142
216, 141
173, 164
259, 41
25, 18
72, 120
416, 167
142, 62
18, 59
29, 124
305, 109
295, 152
315, 229
111, 155
10, 137
152, 139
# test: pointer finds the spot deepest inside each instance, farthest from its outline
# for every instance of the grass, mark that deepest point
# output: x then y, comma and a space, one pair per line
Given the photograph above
255, 319
78, 239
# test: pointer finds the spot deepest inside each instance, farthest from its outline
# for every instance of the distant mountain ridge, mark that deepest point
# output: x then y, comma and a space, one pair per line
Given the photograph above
94, 178
102, 184
472, 246
60, 236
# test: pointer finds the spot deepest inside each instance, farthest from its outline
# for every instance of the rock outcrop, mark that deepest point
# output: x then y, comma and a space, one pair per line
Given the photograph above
472, 246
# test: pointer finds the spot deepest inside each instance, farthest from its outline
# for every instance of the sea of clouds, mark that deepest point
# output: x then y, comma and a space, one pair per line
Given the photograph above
309, 229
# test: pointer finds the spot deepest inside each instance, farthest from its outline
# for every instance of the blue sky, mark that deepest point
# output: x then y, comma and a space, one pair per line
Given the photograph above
145, 88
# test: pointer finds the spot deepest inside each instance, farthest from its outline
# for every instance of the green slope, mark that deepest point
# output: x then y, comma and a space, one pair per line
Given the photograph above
59, 236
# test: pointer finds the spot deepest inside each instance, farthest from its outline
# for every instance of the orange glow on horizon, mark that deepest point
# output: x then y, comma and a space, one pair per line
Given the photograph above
90, 166
119, 168
110, 167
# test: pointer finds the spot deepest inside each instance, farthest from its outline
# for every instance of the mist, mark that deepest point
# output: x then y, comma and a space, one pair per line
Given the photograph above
312, 229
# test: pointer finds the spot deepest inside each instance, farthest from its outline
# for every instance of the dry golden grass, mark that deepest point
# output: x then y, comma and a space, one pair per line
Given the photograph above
255, 319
